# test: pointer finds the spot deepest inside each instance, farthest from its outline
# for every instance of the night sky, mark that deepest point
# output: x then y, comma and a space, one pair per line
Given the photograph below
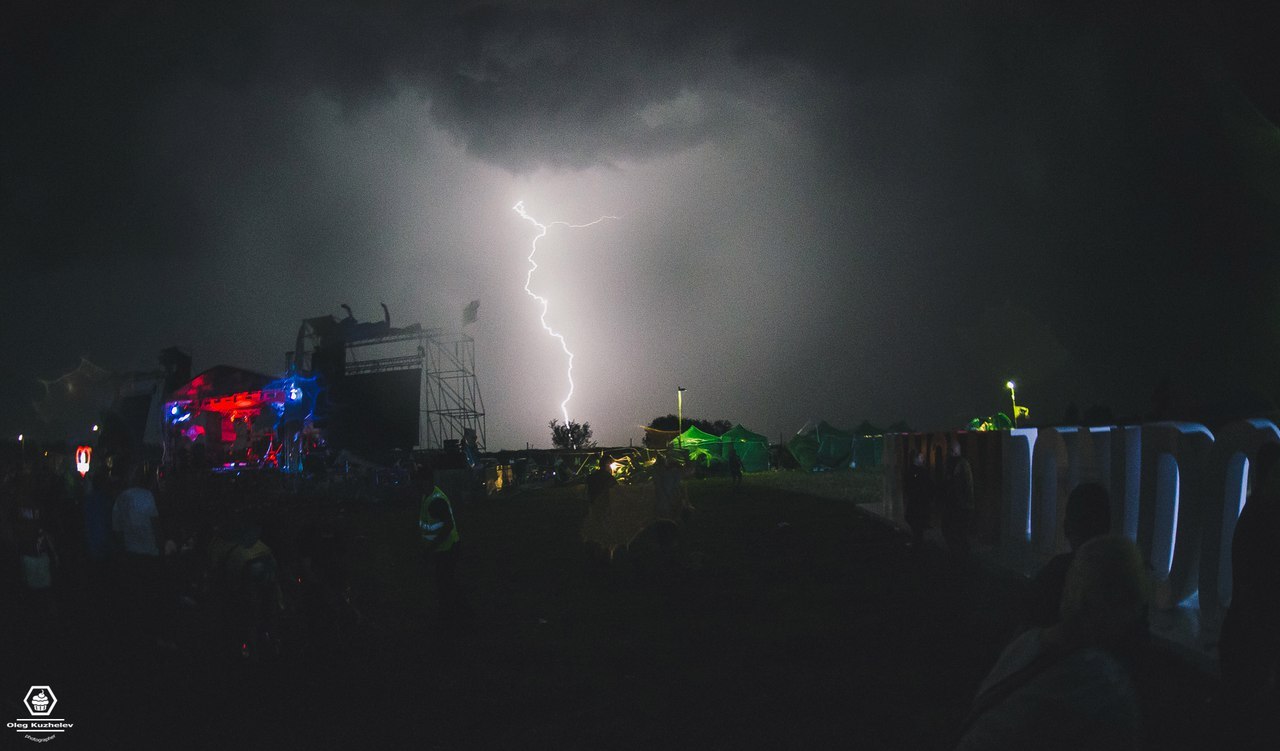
881, 214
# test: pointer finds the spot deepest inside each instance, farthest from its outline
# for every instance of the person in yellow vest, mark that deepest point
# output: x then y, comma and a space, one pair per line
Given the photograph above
440, 543
245, 569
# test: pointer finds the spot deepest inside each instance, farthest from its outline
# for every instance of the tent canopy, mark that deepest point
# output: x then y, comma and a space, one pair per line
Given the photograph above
701, 445
694, 437
751, 448
821, 446
218, 381
825, 446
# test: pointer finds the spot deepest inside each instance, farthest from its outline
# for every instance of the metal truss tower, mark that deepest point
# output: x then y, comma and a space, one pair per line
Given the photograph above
451, 395
449, 400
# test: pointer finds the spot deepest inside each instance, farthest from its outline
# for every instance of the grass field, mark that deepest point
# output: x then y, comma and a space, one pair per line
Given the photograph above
786, 620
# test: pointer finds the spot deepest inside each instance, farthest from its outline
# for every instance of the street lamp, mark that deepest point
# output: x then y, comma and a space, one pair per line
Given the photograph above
1013, 397
679, 416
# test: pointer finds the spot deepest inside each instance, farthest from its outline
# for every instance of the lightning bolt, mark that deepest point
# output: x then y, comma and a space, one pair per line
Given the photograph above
533, 266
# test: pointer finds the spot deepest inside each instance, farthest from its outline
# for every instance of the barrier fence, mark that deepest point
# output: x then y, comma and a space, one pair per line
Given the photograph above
1176, 490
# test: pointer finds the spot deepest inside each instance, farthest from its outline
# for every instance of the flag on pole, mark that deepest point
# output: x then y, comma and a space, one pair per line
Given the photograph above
471, 312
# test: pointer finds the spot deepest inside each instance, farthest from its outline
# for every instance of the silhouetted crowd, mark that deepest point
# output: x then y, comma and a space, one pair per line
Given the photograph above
1068, 680
145, 560
107, 544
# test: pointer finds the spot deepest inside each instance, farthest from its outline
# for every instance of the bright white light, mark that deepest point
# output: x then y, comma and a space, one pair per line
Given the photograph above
533, 266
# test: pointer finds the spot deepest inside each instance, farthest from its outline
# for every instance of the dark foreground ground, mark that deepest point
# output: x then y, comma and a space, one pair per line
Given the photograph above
787, 621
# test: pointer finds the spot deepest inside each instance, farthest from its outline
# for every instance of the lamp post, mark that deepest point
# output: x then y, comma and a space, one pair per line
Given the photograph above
22, 450
679, 416
1013, 397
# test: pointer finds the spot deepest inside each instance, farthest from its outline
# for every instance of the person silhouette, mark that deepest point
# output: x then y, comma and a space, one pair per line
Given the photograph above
1068, 685
1088, 515
958, 507
917, 496
1249, 644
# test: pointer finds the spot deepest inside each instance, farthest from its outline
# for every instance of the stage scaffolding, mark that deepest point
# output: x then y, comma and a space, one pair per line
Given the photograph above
449, 400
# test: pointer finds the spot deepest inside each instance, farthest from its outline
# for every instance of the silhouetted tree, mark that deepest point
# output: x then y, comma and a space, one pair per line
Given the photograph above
571, 435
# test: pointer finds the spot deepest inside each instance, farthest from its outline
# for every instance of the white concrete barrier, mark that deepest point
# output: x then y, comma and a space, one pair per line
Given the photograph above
1176, 489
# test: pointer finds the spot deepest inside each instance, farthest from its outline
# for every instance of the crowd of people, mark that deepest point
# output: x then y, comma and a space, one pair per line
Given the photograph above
119, 547
1068, 679
87, 533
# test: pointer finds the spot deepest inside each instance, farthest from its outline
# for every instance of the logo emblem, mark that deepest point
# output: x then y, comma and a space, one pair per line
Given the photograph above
40, 701
40, 727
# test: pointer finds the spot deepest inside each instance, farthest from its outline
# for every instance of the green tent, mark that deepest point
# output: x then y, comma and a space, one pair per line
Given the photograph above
821, 446
752, 448
700, 445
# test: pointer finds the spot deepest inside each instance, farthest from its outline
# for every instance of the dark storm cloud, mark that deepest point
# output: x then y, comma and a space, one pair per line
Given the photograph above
110, 107
111, 111
521, 85
569, 85
1105, 178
